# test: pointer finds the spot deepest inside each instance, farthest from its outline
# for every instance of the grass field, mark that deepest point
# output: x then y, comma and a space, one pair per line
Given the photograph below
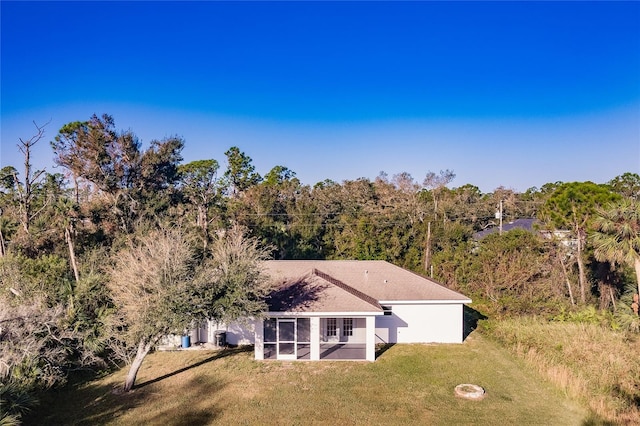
408, 384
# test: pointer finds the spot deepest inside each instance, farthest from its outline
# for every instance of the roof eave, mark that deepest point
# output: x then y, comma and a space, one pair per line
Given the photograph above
324, 314
426, 302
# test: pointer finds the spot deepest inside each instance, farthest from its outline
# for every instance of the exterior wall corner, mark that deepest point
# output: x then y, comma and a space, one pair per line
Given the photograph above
371, 338
259, 339
315, 339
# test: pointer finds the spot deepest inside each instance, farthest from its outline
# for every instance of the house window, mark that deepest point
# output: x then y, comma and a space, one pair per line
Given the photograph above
332, 326
347, 327
387, 310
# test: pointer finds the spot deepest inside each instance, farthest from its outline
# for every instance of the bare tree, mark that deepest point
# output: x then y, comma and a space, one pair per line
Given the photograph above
435, 183
31, 178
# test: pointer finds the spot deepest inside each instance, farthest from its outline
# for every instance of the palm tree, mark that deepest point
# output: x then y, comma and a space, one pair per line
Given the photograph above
617, 235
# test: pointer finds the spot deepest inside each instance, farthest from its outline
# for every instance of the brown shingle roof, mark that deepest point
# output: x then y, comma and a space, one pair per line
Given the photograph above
346, 287
350, 285
317, 292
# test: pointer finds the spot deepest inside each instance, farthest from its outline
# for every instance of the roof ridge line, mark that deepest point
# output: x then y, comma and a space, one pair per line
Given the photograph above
357, 293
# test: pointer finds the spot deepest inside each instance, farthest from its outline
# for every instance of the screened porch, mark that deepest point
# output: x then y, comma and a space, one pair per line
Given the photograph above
313, 338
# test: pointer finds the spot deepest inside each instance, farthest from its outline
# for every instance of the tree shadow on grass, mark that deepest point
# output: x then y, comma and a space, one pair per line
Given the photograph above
86, 402
219, 355
98, 404
470, 318
382, 348
193, 407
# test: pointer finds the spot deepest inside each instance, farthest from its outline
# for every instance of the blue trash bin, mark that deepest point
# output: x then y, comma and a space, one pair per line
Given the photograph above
186, 342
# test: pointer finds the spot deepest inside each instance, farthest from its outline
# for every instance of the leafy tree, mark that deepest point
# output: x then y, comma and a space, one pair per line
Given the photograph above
231, 283
401, 212
627, 185
95, 151
8, 207
240, 171
515, 271
306, 228
617, 235
376, 220
155, 189
468, 206
530, 202
160, 287
270, 209
201, 186
135, 181
279, 175
149, 280
572, 206
453, 260
550, 187
92, 306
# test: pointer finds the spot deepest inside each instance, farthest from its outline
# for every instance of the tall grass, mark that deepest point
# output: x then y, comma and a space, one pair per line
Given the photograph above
591, 363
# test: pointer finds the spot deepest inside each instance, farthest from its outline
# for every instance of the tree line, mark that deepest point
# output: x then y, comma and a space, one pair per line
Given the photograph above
76, 247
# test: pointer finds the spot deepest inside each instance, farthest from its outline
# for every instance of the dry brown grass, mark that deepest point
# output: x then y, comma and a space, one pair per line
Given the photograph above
593, 364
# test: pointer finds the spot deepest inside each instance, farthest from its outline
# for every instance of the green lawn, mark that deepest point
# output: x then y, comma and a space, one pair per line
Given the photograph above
408, 384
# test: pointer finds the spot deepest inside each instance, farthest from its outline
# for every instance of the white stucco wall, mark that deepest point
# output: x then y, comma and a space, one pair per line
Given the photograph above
409, 323
420, 323
238, 333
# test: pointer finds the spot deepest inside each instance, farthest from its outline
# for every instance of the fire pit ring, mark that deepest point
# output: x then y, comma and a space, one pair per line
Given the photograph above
469, 391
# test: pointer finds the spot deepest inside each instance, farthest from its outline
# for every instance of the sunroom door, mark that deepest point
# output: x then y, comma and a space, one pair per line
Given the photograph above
286, 338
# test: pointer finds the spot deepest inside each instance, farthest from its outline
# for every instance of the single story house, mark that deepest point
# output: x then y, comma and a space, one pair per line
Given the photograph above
340, 309
564, 237
526, 224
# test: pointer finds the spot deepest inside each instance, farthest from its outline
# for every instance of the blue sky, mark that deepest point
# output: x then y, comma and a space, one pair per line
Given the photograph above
512, 94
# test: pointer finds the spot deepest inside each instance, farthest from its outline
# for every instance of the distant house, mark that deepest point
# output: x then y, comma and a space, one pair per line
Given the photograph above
563, 237
340, 309
526, 224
